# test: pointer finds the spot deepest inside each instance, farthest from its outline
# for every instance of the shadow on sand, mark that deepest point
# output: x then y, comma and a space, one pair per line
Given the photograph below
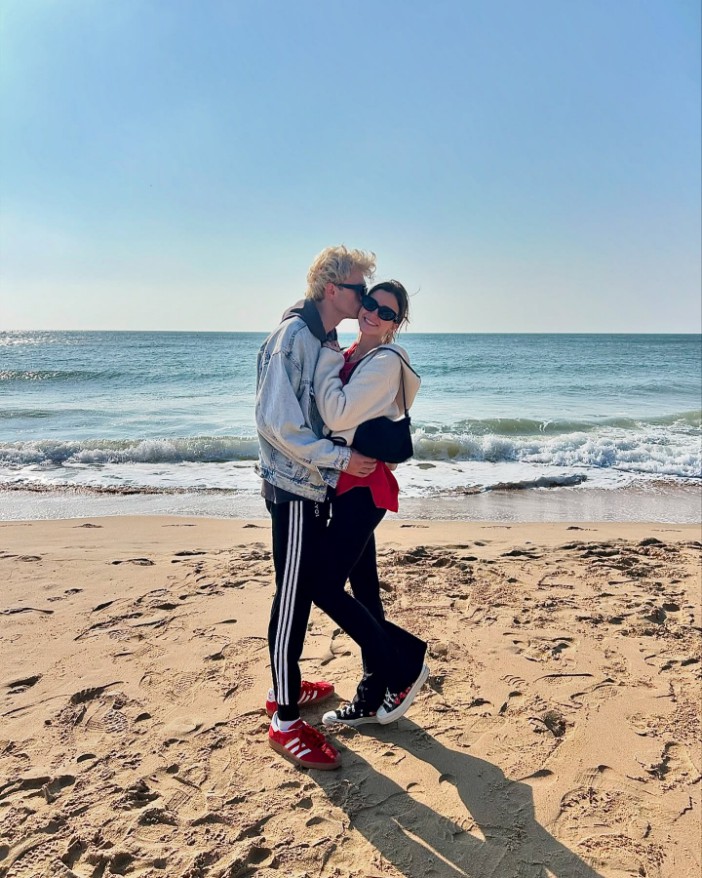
420, 842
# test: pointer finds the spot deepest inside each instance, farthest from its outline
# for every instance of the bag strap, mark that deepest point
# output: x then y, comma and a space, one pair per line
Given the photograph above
402, 382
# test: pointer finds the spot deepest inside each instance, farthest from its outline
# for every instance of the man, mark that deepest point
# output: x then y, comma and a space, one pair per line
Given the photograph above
299, 467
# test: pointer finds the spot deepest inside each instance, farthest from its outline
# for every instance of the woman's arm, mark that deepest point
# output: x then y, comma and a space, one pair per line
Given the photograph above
282, 423
370, 392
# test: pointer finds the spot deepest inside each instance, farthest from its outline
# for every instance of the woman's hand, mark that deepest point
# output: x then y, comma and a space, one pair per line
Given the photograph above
360, 465
332, 345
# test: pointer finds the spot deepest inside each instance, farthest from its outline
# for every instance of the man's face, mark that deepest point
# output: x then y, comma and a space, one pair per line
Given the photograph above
348, 302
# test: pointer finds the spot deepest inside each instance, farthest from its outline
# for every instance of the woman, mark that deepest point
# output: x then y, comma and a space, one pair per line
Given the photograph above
372, 378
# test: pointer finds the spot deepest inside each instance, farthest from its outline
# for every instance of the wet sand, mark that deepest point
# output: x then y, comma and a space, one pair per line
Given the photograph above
645, 501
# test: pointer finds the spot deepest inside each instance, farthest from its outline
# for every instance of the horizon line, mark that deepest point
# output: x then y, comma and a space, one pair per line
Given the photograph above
350, 332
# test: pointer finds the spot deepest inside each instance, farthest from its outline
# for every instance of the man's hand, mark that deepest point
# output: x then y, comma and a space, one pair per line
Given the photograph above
360, 465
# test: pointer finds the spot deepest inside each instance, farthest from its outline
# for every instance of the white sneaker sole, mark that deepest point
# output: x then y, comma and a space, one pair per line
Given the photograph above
387, 716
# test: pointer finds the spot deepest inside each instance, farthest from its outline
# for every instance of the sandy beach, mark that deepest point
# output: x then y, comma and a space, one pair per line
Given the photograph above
558, 735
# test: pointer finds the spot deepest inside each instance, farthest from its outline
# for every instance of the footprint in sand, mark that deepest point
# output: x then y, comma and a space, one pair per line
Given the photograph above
609, 819
515, 697
178, 689
181, 728
90, 693
540, 649
52, 790
541, 776
110, 627
18, 686
67, 593
41, 784
521, 553
476, 729
33, 855
158, 599
140, 562
76, 849
674, 766
516, 682
680, 662
178, 794
157, 817
13, 611
333, 653
112, 721
136, 797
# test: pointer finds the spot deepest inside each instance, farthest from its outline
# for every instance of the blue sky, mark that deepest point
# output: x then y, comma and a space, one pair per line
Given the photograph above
520, 166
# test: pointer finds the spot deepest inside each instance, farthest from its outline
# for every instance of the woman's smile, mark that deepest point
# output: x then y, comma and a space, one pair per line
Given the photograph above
371, 324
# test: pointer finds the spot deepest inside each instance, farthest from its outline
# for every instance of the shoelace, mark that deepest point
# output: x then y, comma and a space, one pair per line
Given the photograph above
350, 711
392, 699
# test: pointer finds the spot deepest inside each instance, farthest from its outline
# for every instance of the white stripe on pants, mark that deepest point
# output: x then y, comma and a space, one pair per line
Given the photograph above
287, 603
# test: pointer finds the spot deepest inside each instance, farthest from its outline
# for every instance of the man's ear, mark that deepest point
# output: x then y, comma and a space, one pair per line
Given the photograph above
329, 290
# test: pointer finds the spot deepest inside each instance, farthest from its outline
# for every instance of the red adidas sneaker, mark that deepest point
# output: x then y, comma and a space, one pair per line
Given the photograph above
310, 693
305, 746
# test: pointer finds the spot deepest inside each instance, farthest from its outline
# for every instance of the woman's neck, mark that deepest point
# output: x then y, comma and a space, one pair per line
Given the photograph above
364, 345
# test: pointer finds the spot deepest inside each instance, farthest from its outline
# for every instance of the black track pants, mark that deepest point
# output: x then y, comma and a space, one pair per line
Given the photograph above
299, 534
392, 655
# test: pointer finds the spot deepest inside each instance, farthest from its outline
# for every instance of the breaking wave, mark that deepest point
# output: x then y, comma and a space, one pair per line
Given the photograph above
667, 447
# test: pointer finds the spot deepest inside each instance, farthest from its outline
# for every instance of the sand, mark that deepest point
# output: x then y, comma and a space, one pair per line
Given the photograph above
558, 735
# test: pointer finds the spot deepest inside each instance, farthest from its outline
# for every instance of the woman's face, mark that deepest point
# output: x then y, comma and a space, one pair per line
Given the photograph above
371, 325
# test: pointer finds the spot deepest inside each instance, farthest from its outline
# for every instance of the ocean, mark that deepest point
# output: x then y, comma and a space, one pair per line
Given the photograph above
106, 422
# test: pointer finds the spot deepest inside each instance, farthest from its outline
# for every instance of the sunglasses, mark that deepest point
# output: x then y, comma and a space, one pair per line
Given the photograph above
385, 313
359, 289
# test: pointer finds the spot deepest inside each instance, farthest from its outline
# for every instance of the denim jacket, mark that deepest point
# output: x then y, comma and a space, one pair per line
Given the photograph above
293, 453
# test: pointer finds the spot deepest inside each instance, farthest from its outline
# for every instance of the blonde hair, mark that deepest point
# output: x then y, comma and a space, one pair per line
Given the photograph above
334, 265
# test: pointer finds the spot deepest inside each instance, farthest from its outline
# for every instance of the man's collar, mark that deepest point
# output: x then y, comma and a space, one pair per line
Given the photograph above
308, 310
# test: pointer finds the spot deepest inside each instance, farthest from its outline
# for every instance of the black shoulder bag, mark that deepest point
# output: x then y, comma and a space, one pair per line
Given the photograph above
383, 438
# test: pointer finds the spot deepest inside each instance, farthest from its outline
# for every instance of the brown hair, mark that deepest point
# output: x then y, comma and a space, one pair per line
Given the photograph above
402, 296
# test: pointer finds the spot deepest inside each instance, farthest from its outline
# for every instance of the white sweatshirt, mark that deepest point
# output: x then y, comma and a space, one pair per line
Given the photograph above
374, 389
